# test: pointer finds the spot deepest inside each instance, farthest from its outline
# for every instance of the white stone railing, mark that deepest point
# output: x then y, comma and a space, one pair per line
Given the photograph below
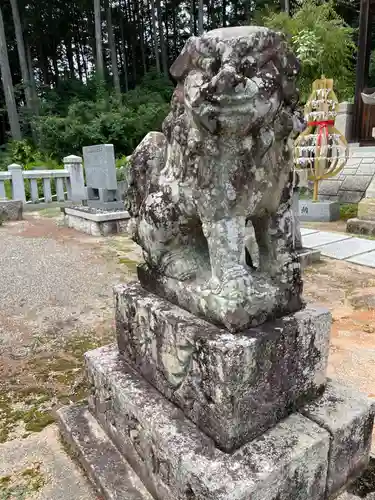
69, 183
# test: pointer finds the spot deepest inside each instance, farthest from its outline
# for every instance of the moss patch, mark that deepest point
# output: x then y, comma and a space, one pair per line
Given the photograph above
22, 484
56, 378
129, 263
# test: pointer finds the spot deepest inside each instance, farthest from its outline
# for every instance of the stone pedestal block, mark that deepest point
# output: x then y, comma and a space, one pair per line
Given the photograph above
307, 456
360, 226
234, 387
348, 417
366, 209
11, 210
319, 211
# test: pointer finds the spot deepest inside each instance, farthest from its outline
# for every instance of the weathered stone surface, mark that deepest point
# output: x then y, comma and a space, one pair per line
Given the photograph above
111, 475
175, 460
100, 167
233, 387
329, 187
358, 226
319, 211
96, 228
349, 417
224, 159
356, 183
11, 210
350, 196
366, 209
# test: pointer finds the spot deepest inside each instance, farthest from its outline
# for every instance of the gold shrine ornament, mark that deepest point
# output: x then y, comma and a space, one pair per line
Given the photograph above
321, 149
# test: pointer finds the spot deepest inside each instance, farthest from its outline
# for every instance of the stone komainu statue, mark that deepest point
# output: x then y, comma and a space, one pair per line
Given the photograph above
220, 171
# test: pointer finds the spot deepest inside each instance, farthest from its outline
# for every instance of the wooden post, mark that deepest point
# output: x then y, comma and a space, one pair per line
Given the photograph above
362, 66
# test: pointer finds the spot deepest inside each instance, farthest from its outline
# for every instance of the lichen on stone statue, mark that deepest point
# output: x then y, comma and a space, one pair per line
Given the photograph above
219, 172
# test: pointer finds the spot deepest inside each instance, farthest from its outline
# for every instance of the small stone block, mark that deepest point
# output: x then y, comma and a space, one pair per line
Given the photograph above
11, 210
177, 461
233, 386
359, 226
348, 416
319, 211
111, 475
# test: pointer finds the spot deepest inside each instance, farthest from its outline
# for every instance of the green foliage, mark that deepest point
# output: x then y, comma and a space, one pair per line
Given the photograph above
105, 119
348, 211
322, 41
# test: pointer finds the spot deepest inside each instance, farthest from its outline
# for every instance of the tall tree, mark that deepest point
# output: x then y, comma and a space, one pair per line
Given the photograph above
112, 48
98, 40
155, 36
21, 53
200, 17
163, 46
6, 78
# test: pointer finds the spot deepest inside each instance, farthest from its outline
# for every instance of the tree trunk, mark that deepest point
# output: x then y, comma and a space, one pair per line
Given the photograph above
69, 56
98, 39
21, 52
287, 7
112, 48
200, 17
155, 36
6, 78
225, 12
124, 57
163, 48
143, 52
34, 94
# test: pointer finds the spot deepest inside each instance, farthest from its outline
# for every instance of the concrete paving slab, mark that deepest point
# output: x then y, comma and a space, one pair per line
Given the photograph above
306, 230
323, 238
366, 259
347, 248
59, 476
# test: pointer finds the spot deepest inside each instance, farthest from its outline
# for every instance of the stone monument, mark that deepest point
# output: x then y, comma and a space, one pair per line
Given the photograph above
217, 388
100, 168
103, 213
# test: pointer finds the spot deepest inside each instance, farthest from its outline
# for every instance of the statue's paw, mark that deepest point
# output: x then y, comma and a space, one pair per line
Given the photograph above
236, 282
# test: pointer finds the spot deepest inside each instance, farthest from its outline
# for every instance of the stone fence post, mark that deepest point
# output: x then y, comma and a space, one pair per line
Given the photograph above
18, 186
76, 183
344, 119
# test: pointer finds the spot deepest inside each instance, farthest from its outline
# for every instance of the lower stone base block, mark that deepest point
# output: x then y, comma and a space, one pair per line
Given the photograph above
307, 456
359, 226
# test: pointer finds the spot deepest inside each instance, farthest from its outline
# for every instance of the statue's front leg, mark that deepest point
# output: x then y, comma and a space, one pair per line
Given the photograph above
226, 245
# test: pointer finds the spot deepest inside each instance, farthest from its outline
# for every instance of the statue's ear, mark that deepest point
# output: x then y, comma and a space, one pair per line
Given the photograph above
184, 62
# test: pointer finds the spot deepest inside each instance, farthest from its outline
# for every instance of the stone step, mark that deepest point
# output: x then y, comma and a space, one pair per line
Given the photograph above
175, 460
110, 473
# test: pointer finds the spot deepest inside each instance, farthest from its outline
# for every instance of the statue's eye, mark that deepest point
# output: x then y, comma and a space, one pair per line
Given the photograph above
248, 69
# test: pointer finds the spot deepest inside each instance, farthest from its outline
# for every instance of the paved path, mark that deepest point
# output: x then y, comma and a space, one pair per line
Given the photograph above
340, 246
